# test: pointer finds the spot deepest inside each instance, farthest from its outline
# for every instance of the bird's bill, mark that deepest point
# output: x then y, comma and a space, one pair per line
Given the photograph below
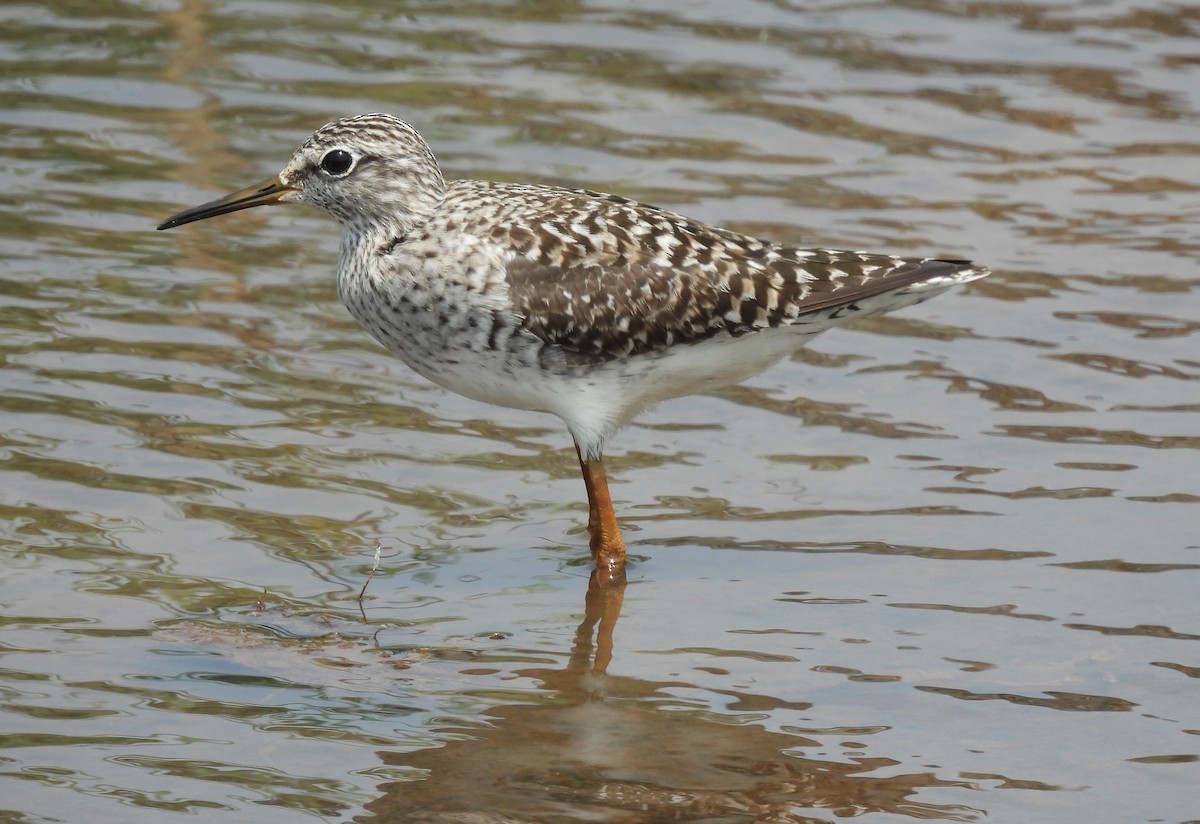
267, 193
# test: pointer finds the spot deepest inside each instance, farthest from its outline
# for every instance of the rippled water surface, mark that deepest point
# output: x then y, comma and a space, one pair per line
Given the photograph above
941, 565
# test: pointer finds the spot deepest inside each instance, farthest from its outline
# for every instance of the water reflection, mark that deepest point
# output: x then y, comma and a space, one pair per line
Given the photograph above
593, 746
964, 536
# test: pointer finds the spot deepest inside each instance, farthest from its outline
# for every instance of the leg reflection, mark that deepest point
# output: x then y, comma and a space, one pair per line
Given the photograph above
595, 746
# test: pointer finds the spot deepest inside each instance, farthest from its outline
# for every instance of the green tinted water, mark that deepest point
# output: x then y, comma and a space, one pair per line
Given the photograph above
940, 566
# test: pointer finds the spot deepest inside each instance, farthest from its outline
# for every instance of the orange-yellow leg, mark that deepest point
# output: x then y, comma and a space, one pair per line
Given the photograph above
607, 546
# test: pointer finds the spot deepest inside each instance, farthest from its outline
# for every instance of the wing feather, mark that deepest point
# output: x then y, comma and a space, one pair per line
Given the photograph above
611, 277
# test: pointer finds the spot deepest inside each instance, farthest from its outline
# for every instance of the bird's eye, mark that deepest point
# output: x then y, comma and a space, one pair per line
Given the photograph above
337, 162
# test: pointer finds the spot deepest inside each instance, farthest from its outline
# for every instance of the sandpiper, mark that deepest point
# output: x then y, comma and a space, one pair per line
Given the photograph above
586, 305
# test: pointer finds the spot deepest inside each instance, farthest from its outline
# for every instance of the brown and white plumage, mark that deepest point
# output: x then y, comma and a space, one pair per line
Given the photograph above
583, 304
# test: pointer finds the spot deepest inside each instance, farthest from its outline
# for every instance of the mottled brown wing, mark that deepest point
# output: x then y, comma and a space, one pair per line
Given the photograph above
626, 278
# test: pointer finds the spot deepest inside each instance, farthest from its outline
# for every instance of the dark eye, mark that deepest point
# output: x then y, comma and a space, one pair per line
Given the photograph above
337, 162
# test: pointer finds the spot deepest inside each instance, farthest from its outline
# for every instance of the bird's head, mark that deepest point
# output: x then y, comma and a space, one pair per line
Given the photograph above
369, 170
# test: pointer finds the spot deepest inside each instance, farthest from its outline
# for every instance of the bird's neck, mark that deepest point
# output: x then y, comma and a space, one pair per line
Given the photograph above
363, 242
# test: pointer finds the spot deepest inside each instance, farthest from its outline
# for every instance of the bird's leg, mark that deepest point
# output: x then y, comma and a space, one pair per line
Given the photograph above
606, 543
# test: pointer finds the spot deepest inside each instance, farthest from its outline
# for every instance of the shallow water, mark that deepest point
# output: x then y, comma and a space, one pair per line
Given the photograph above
941, 565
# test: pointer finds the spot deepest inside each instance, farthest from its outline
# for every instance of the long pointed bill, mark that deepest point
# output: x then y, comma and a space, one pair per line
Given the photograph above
267, 193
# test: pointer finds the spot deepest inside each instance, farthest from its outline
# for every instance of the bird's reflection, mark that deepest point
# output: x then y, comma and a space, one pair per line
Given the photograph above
603, 748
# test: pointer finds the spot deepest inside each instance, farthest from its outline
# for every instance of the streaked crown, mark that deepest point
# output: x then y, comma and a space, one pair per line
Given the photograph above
365, 171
